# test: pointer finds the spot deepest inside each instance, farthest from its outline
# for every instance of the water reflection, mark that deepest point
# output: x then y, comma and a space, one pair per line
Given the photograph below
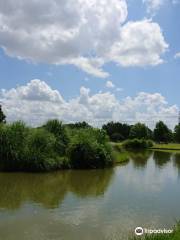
140, 158
177, 162
161, 158
50, 189
102, 204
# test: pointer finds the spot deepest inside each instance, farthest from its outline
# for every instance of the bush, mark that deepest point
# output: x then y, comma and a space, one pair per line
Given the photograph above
44, 148
89, 149
116, 137
42, 154
137, 144
58, 130
13, 141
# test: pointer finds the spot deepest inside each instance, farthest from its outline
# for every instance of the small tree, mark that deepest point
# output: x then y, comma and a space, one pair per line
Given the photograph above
140, 131
177, 133
2, 116
162, 133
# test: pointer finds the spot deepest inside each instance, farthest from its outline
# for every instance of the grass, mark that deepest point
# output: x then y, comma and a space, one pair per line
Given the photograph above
173, 236
120, 155
169, 146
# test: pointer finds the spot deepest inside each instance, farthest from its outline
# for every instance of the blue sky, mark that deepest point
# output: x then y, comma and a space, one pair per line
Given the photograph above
19, 65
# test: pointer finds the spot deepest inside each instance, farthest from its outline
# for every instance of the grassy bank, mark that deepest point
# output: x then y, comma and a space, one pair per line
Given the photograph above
174, 236
119, 153
169, 146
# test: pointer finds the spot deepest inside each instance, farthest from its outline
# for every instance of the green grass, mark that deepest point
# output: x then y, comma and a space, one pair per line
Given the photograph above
169, 146
121, 157
174, 236
119, 154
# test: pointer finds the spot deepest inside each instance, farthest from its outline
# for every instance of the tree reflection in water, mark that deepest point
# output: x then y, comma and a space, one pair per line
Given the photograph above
50, 189
176, 160
140, 158
161, 158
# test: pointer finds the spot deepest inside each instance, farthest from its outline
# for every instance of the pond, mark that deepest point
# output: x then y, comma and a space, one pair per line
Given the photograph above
92, 204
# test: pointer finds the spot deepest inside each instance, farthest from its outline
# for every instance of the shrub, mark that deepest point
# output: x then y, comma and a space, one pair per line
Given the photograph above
41, 154
13, 141
137, 144
116, 137
89, 149
56, 127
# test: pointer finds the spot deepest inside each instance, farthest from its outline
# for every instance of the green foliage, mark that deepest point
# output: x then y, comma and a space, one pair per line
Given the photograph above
25, 149
13, 141
89, 149
140, 131
137, 144
117, 131
2, 116
78, 125
58, 130
41, 154
162, 133
177, 133
45, 148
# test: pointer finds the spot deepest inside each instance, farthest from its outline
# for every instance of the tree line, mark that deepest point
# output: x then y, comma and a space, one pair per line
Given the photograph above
118, 131
55, 145
161, 133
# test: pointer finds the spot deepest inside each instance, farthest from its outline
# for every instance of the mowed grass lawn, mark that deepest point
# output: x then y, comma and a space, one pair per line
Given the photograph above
169, 146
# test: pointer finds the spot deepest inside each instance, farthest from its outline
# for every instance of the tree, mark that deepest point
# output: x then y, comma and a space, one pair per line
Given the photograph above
78, 125
117, 131
2, 116
89, 148
140, 131
162, 133
177, 133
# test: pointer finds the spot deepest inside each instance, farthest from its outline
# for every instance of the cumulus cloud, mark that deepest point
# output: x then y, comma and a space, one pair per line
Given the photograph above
110, 84
36, 102
87, 34
141, 44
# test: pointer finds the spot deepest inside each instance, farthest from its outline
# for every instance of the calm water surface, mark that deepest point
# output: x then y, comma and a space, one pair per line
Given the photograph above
95, 204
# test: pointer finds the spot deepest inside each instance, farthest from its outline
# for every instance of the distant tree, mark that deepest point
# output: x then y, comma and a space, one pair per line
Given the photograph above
117, 131
177, 133
2, 116
140, 131
162, 133
78, 125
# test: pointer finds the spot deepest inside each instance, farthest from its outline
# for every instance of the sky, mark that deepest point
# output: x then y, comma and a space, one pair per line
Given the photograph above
90, 60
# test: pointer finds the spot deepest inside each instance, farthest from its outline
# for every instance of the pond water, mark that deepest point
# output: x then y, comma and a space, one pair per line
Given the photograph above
93, 204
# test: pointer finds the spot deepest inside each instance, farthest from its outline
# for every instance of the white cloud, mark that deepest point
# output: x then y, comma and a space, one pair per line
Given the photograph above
36, 90
141, 44
78, 32
36, 102
110, 84
177, 55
